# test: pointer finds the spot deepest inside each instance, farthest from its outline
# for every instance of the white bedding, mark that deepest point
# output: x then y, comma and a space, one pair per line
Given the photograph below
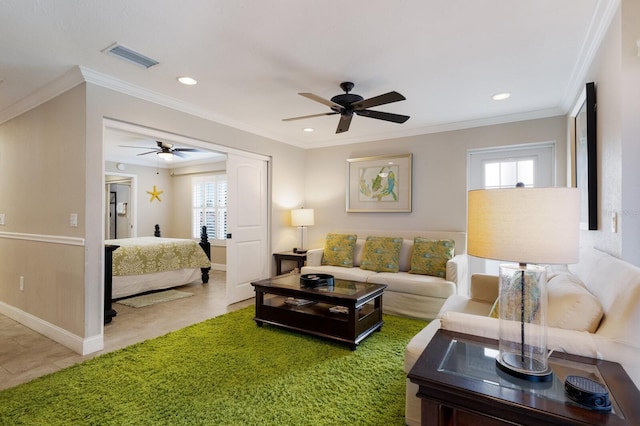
128, 285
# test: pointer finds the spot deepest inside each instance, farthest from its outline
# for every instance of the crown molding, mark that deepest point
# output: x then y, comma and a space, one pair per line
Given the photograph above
65, 82
601, 20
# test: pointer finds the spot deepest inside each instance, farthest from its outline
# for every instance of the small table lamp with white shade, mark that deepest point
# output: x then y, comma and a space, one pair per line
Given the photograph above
524, 225
302, 218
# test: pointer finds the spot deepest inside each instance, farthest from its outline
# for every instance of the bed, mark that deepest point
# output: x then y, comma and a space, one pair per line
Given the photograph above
145, 264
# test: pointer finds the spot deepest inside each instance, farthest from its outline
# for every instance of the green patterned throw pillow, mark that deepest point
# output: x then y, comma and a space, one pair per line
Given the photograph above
429, 257
338, 250
381, 254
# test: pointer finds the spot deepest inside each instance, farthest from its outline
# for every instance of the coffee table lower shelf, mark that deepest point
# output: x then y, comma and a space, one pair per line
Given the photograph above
317, 319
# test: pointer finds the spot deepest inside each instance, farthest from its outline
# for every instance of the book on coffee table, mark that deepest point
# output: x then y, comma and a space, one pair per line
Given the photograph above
298, 302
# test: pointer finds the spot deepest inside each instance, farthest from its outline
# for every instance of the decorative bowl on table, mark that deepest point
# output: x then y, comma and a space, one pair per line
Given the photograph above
316, 280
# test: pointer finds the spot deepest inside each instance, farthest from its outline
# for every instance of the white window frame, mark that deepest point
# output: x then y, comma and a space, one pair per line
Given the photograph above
544, 156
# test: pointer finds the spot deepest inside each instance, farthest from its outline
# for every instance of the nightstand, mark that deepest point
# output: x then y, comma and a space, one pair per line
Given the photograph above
289, 255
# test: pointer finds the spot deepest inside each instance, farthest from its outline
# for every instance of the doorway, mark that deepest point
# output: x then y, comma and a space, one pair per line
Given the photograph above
237, 269
503, 167
119, 215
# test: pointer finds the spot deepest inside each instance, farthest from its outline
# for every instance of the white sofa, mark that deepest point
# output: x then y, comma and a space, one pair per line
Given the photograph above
574, 323
411, 295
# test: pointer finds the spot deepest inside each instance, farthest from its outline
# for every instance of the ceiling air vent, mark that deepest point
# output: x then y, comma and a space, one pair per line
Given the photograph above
130, 55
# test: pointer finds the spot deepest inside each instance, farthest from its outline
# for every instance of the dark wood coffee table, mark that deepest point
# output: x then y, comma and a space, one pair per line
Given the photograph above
460, 385
282, 301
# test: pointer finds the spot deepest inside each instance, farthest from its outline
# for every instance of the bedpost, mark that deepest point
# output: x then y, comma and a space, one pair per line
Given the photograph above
204, 243
156, 233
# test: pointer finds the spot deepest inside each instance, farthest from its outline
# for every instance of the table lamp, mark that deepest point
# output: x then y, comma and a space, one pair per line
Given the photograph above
523, 225
302, 218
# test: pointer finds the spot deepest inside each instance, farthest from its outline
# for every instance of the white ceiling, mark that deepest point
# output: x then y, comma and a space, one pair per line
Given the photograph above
251, 58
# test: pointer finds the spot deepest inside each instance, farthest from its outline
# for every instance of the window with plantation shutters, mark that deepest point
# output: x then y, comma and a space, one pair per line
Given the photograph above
210, 206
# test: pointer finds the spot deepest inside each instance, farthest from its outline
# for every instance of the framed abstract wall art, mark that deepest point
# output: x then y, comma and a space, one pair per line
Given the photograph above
586, 178
379, 184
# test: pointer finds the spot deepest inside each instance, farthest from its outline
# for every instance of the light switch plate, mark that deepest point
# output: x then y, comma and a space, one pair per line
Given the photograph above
1, 218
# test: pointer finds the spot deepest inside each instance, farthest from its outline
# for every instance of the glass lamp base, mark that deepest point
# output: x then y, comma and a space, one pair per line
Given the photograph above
525, 368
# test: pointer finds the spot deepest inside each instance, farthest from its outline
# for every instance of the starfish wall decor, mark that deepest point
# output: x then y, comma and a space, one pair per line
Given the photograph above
155, 194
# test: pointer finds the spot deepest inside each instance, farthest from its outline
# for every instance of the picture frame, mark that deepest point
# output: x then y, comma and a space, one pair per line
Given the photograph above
380, 184
584, 157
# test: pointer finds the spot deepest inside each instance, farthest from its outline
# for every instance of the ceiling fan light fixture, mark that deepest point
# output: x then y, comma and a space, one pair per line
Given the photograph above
166, 156
189, 81
501, 96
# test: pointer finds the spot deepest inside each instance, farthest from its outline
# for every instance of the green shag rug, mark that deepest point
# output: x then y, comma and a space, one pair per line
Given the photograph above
226, 371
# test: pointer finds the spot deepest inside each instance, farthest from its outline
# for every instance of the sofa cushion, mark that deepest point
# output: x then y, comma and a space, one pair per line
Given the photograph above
338, 272
338, 250
420, 285
430, 257
571, 306
381, 254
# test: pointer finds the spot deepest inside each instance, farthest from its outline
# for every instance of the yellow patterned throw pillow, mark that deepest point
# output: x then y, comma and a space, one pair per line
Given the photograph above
429, 257
381, 254
338, 250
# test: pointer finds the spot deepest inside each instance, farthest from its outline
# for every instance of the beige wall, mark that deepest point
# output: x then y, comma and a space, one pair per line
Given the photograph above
439, 176
43, 173
616, 72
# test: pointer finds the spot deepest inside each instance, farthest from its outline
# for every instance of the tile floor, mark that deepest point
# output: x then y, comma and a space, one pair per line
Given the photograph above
26, 354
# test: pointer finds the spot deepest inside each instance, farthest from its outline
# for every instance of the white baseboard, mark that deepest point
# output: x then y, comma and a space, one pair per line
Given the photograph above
219, 266
53, 332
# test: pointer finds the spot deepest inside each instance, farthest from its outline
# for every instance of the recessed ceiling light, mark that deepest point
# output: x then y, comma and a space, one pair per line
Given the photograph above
308, 129
501, 96
187, 80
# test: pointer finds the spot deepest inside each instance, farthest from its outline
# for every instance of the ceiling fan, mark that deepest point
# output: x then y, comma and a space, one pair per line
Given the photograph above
165, 150
347, 104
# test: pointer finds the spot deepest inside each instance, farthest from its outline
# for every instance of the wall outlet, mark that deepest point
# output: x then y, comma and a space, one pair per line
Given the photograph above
1, 218
21, 283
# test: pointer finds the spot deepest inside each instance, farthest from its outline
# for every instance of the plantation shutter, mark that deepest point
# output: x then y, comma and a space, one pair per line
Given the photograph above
210, 206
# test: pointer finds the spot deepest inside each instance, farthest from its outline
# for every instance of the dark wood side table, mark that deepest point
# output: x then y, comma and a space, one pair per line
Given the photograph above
289, 255
459, 384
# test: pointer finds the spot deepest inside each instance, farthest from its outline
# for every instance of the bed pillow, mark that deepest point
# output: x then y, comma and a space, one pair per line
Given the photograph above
430, 257
338, 250
381, 254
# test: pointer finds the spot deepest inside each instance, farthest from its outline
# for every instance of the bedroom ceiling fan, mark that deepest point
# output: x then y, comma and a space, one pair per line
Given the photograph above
347, 104
165, 150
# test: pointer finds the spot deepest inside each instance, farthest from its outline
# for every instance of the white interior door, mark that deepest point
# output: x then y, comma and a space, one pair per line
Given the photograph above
247, 223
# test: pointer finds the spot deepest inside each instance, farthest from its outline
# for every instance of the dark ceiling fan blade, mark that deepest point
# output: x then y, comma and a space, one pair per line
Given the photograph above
387, 98
177, 153
186, 150
150, 152
309, 116
387, 116
139, 147
344, 123
324, 101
